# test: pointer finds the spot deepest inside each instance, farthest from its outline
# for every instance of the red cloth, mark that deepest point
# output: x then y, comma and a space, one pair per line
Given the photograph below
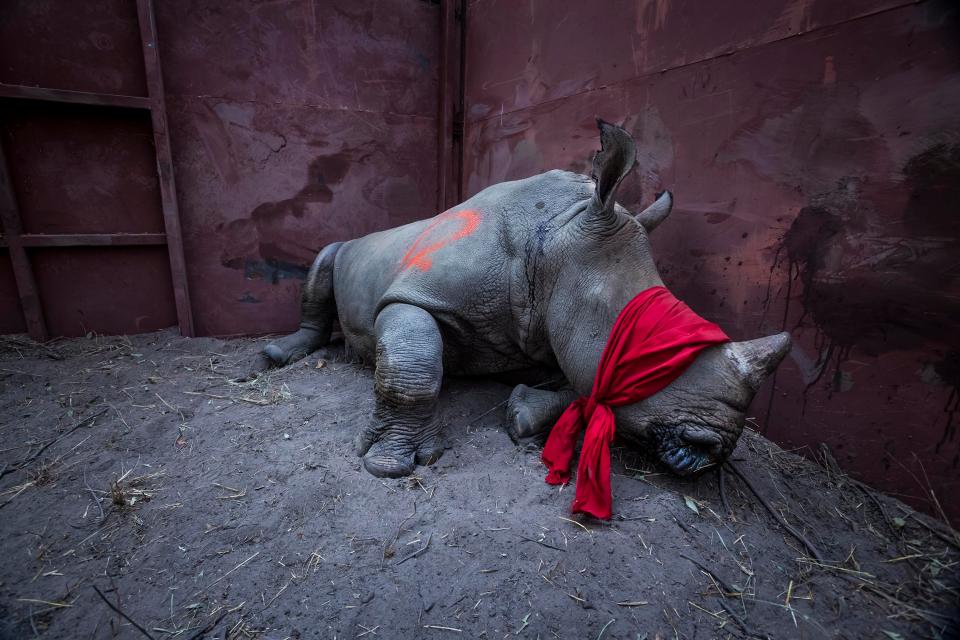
655, 338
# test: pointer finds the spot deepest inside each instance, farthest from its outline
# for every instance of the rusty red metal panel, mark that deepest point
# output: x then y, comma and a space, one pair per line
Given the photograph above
80, 169
318, 124
260, 200
816, 190
111, 290
529, 52
89, 46
275, 110
364, 55
11, 315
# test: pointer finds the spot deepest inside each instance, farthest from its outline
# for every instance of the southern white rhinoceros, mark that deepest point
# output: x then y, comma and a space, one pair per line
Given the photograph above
525, 274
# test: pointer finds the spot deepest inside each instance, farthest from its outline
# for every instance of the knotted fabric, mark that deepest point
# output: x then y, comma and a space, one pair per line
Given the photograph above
655, 338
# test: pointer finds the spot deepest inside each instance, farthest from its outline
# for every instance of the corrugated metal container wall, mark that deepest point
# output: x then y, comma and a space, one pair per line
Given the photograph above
814, 150
293, 124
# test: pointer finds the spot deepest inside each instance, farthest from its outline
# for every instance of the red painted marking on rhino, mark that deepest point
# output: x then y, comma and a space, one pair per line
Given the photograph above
419, 257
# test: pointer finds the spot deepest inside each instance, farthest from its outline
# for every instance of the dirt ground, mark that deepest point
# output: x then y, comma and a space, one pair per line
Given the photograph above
200, 507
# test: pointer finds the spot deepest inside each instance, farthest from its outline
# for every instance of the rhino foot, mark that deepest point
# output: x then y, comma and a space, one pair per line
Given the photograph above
291, 348
532, 412
405, 430
397, 452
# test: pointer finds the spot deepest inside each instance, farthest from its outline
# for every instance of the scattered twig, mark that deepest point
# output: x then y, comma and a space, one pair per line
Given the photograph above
541, 543
120, 611
397, 537
417, 552
500, 404
436, 626
604, 628
96, 499
49, 603
612, 620
483, 415
229, 572
575, 522
953, 540
22, 373
728, 590
776, 516
721, 483
926, 614
740, 621
63, 435
210, 627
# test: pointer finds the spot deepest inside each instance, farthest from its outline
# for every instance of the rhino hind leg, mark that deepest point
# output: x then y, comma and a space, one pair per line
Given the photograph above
532, 412
405, 430
318, 310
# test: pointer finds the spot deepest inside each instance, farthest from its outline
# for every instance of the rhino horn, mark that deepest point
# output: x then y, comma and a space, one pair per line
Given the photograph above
756, 359
652, 216
616, 158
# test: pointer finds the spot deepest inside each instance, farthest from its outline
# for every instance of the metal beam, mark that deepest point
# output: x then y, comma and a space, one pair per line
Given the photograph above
168, 189
89, 239
22, 271
72, 97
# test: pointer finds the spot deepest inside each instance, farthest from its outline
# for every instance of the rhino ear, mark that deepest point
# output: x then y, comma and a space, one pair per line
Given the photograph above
756, 359
611, 164
652, 216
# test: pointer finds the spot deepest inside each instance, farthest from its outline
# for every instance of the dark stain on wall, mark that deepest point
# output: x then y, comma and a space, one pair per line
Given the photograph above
875, 290
948, 373
808, 244
262, 246
934, 205
933, 211
269, 269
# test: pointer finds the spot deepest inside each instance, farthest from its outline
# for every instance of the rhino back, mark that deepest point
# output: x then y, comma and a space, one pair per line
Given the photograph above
465, 266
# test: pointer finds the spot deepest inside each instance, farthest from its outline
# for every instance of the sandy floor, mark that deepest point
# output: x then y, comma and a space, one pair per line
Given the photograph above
200, 506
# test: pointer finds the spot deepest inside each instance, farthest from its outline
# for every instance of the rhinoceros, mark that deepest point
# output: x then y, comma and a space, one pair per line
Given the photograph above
525, 275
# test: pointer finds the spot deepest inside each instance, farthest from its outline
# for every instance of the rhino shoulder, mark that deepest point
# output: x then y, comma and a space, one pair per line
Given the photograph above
539, 195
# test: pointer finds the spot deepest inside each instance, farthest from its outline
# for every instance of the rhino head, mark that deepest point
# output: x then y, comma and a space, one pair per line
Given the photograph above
602, 259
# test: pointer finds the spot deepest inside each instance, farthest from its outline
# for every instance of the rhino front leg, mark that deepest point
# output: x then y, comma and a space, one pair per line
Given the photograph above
532, 412
318, 310
405, 430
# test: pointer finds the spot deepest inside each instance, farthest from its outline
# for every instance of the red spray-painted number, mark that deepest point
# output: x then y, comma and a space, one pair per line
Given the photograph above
419, 257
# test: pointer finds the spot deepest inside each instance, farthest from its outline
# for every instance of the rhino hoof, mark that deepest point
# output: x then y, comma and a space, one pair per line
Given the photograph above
429, 452
385, 465
291, 348
523, 427
275, 354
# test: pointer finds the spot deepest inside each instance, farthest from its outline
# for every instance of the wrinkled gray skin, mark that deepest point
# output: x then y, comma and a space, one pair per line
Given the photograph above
536, 285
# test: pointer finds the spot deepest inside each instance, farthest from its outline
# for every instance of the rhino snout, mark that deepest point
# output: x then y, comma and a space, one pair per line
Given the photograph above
692, 449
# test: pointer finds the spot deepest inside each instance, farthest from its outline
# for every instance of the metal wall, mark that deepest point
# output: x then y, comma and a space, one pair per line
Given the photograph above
814, 150
79, 170
293, 124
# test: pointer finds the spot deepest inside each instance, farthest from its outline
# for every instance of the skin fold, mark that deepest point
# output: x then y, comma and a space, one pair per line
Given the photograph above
525, 275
